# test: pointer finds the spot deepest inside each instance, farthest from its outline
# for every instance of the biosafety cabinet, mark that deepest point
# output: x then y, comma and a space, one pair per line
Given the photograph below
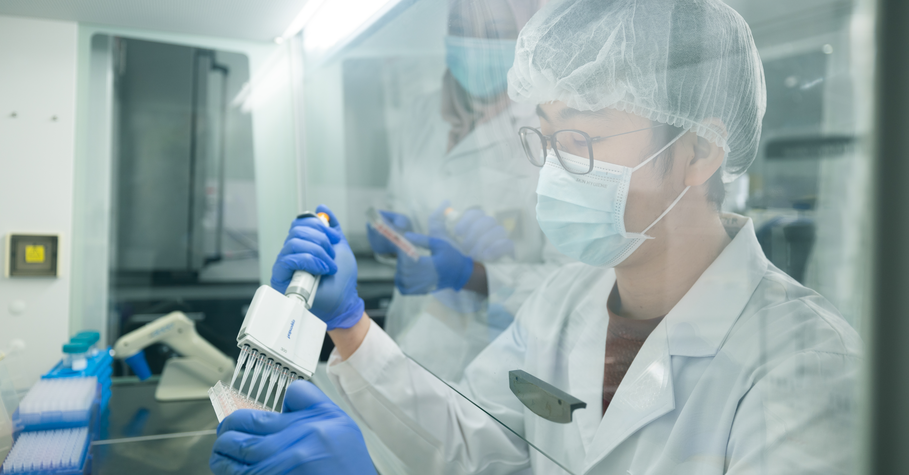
360, 98
195, 147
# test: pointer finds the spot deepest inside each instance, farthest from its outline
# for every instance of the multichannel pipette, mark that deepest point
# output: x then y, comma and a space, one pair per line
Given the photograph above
280, 342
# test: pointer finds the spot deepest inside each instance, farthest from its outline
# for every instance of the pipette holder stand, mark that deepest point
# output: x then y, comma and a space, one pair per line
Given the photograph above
187, 377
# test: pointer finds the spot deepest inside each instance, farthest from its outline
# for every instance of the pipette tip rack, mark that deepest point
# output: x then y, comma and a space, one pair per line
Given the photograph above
58, 403
227, 400
51, 452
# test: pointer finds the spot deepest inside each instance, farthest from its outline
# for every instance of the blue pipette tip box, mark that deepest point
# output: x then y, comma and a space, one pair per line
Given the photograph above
53, 452
58, 404
99, 365
51, 420
96, 365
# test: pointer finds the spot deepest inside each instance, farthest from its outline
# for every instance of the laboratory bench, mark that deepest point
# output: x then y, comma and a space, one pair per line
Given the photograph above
139, 435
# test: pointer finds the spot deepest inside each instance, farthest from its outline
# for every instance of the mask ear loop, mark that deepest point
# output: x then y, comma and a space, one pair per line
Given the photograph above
643, 233
645, 162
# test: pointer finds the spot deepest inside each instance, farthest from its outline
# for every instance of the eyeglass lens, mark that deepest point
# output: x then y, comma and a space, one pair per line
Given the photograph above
567, 141
532, 141
573, 143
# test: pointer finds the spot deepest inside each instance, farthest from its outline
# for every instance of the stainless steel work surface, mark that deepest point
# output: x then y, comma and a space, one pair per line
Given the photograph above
140, 435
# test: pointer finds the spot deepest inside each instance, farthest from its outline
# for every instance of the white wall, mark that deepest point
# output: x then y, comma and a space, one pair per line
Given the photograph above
37, 82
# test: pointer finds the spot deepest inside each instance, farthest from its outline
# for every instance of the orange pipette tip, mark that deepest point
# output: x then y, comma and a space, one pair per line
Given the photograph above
324, 217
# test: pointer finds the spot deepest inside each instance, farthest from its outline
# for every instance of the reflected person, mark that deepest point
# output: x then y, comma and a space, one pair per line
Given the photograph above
458, 178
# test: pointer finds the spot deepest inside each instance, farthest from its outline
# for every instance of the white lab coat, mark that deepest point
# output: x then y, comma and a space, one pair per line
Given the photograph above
486, 169
750, 373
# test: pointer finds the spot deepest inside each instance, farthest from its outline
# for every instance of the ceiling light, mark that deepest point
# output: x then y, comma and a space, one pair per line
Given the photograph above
306, 13
339, 20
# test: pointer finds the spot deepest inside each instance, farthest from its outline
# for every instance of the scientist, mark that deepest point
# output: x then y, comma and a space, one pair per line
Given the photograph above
457, 153
693, 354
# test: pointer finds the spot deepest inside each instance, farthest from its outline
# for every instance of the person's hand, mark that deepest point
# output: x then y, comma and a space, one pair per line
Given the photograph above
379, 243
446, 268
312, 436
321, 249
482, 237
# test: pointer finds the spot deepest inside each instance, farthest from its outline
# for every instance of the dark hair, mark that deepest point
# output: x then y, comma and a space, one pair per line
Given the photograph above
716, 191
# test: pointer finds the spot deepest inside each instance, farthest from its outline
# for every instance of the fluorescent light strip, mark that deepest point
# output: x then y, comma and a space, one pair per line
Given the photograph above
302, 19
339, 20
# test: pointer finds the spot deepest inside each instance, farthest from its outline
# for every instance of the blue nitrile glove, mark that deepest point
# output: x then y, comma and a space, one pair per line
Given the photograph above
312, 436
379, 243
322, 250
446, 268
482, 237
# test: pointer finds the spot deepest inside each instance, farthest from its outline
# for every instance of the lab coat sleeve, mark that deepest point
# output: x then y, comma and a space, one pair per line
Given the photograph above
428, 425
798, 419
511, 284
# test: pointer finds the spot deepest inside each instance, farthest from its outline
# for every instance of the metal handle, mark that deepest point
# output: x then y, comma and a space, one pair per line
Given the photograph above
303, 285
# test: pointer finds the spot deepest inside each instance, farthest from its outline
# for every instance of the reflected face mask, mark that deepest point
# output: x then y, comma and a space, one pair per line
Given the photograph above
480, 65
584, 215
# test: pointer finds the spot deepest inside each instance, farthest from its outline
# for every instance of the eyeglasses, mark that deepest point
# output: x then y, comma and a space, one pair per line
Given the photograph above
574, 142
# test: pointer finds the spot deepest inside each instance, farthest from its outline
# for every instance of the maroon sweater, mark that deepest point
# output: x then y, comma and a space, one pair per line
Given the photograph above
624, 338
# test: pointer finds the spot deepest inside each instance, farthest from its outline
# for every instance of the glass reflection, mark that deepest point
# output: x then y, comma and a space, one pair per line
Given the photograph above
457, 187
632, 210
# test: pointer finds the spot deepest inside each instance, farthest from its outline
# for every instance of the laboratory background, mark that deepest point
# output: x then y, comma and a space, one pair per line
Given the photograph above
153, 156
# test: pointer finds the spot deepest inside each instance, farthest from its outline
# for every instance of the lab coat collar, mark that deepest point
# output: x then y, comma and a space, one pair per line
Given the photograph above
586, 360
645, 394
699, 323
695, 327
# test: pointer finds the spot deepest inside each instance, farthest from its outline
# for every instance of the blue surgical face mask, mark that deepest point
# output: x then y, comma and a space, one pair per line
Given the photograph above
480, 65
584, 215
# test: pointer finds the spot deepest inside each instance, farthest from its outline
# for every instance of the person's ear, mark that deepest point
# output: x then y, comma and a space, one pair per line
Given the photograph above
707, 158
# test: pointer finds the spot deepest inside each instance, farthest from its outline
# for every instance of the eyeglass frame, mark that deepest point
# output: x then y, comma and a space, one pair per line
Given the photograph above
544, 139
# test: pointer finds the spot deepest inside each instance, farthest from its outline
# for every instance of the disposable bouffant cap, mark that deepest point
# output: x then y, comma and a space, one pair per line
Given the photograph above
691, 64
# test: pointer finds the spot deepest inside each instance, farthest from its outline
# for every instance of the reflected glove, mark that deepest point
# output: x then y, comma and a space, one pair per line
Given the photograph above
482, 237
379, 243
312, 436
446, 268
323, 250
